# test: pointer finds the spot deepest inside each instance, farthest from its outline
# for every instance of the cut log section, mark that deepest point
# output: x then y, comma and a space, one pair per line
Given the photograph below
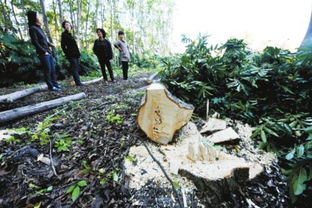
36, 108
22, 93
161, 114
225, 135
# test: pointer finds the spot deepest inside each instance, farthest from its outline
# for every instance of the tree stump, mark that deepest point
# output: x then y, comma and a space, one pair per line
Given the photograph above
161, 114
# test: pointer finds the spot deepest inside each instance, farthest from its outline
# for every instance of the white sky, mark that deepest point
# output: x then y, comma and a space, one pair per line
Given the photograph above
281, 23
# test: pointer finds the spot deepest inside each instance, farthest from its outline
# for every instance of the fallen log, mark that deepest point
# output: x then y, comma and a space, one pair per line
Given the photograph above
22, 93
16, 113
161, 114
92, 81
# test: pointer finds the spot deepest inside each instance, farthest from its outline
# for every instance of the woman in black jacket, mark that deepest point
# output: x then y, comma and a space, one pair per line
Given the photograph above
42, 45
71, 51
103, 50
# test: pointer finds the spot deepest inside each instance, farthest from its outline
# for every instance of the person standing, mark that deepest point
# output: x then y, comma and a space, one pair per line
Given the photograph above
71, 51
103, 50
124, 53
42, 45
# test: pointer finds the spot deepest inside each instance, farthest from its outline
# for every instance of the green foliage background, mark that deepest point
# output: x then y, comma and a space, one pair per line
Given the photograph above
271, 90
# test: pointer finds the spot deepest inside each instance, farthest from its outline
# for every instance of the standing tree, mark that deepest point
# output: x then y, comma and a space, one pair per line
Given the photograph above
307, 40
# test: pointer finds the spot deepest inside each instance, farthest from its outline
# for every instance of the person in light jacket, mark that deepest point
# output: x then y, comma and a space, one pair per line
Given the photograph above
103, 50
71, 51
42, 45
124, 53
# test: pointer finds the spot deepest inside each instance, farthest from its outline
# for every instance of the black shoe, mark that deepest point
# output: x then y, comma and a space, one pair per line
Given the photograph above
55, 89
80, 84
60, 87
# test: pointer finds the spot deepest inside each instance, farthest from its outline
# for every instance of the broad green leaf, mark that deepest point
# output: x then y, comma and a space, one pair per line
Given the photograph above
290, 155
50, 188
70, 189
82, 183
115, 177
270, 131
263, 136
300, 151
298, 185
75, 193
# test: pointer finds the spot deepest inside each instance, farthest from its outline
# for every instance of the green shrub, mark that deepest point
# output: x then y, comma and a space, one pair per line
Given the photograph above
271, 90
20, 63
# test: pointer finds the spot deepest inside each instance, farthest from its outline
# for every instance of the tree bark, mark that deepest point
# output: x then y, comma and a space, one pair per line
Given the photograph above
78, 22
307, 40
14, 114
56, 26
16, 21
22, 93
72, 17
7, 20
87, 21
45, 20
60, 10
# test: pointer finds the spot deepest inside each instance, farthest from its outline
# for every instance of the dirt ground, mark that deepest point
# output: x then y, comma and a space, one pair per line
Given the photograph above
97, 133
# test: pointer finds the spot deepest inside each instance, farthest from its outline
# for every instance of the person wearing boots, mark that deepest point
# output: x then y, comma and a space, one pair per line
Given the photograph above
103, 50
42, 45
71, 51
124, 53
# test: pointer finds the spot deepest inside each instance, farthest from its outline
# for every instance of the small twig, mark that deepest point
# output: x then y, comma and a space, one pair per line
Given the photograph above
51, 159
165, 173
184, 197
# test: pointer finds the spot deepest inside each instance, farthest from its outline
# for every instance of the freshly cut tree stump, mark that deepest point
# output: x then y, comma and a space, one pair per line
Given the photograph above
36, 108
161, 114
22, 93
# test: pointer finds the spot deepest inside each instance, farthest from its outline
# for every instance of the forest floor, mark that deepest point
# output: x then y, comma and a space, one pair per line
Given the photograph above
88, 142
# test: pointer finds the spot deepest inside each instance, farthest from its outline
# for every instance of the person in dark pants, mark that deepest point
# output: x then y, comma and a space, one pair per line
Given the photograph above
71, 51
124, 55
39, 40
103, 50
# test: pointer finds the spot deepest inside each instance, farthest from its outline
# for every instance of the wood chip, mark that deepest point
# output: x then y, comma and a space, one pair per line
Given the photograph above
223, 136
213, 124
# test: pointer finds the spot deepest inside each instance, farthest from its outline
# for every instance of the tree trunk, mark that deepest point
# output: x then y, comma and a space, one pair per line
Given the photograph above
87, 21
16, 21
78, 22
307, 40
56, 26
22, 93
111, 17
14, 114
8, 25
45, 21
72, 17
60, 10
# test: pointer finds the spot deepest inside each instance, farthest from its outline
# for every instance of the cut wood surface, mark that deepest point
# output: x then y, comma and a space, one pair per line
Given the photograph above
192, 161
213, 124
161, 114
9, 115
225, 135
22, 93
